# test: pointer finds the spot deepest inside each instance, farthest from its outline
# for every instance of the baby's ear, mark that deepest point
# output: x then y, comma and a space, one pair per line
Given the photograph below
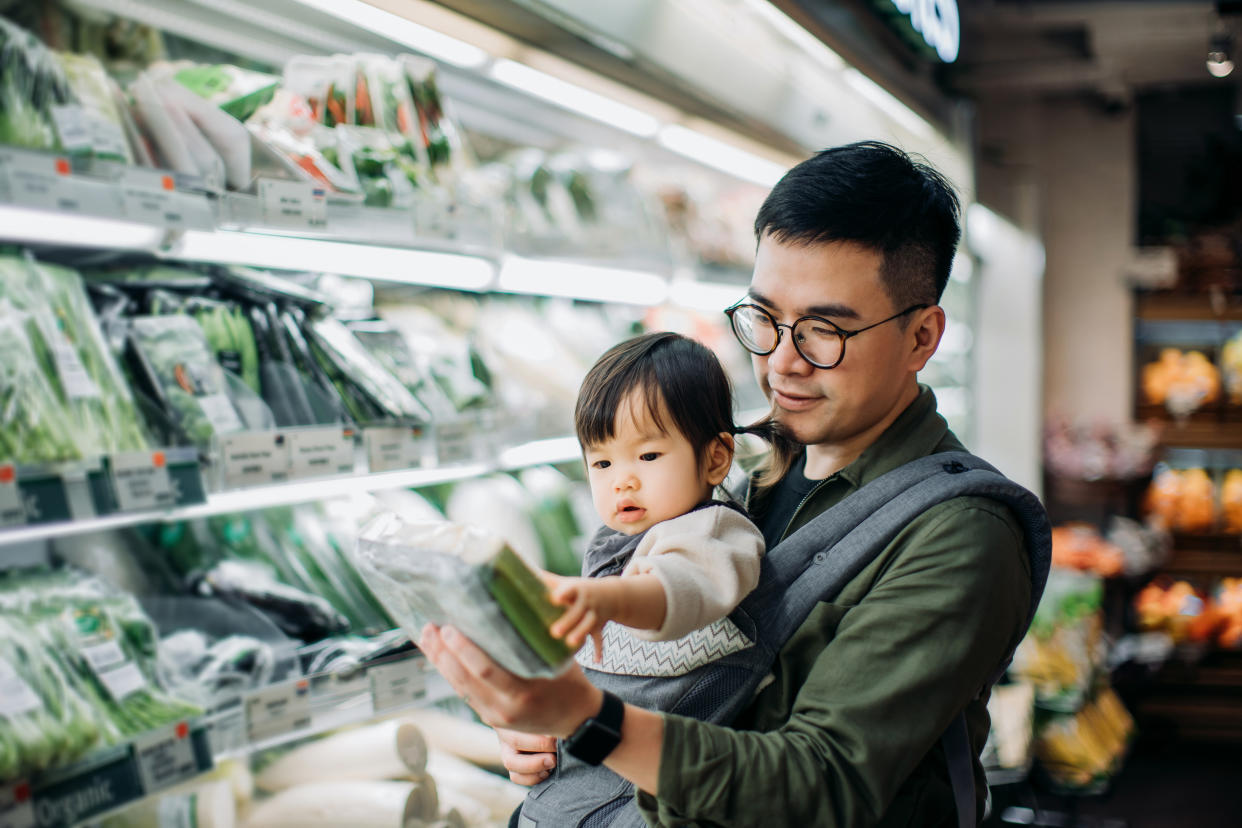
719, 458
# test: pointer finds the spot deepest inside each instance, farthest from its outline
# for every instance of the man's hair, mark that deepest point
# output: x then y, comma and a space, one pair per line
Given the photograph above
877, 196
675, 378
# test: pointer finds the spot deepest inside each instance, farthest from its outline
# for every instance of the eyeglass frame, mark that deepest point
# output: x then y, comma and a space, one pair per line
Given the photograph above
844, 333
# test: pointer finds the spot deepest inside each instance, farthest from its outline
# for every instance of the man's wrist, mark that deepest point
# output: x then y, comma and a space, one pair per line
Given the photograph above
584, 707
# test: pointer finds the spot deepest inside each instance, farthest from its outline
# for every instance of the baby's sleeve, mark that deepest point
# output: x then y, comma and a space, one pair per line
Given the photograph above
706, 560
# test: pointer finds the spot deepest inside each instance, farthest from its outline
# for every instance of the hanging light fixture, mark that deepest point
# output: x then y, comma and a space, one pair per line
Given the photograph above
1219, 59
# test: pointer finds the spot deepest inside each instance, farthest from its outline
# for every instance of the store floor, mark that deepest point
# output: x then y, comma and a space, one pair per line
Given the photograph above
1161, 786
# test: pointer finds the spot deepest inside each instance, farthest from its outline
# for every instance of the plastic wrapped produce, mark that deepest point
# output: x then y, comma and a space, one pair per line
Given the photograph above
93, 120
239, 92
448, 573
34, 427
226, 135
31, 83
176, 362
379, 395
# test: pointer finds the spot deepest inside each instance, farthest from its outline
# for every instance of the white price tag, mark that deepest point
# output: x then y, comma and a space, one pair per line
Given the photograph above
277, 710
454, 442
392, 449
16, 806
226, 729
255, 457
399, 684
104, 655
12, 512
294, 204
16, 697
73, 126
321, 451
74, 378
142, 482
123, 681
165, 757
38, 180
219, 410
151, 196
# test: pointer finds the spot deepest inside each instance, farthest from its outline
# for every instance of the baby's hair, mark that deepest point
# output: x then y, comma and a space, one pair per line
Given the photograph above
675, 377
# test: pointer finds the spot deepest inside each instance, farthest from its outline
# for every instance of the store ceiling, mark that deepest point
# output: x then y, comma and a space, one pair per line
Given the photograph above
1105, 48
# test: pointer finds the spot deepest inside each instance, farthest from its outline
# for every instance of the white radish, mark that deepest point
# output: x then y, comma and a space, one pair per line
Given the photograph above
394, 749
225, 133
357, 804
472, 741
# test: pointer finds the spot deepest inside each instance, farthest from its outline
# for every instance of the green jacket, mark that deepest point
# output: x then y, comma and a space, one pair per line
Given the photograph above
848, 732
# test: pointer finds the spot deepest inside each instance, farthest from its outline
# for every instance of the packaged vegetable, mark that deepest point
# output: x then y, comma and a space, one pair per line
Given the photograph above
239, 92
34, 427
93, 118
369, 391
446, 149
226, 135
32, 82
176, 363
327, 84
449, 573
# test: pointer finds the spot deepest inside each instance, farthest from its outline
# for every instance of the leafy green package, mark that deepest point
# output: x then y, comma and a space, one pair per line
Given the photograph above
34, 426
92, 124
177, 364
31, 83
391, 350
442, 572
239, 92
445, 147
366, 386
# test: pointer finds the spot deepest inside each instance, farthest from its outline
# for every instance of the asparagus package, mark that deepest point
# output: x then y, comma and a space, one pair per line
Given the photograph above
446, 573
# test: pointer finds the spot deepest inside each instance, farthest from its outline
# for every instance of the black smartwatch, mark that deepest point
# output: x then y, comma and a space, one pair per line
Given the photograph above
599, 735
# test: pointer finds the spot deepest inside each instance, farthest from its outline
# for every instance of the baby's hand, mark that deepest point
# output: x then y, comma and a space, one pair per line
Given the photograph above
585, 615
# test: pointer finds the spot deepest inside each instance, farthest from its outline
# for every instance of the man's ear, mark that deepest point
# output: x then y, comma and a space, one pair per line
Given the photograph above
719, 458
925, 331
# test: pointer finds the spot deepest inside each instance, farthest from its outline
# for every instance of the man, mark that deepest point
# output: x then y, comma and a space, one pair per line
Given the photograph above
855, 248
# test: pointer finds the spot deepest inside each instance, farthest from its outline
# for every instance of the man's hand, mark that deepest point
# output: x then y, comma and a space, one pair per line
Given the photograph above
528, 758
590, 603
553, 706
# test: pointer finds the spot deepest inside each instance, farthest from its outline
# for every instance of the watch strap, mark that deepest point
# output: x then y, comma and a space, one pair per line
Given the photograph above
599, 735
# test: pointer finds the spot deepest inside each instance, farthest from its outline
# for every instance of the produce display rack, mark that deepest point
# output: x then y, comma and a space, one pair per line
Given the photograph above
117, 777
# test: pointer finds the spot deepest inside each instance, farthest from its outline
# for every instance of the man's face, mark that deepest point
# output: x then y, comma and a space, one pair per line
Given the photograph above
840, 282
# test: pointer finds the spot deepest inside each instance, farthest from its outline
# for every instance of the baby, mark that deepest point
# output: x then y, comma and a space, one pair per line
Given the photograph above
654, 417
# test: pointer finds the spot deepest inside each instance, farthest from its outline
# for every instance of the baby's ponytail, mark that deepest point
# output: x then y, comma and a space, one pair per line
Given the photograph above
782, 456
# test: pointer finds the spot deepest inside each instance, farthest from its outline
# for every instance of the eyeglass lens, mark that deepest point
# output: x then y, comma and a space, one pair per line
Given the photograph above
818, 342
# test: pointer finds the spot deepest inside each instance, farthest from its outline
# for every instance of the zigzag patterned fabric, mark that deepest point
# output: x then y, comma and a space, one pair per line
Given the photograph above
627, 655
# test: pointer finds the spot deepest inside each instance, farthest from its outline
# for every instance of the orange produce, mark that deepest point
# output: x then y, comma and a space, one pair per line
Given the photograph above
1231, 500
1080, 546
1183, 381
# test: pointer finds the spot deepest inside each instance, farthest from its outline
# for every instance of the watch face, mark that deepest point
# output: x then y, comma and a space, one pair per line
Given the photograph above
599, 735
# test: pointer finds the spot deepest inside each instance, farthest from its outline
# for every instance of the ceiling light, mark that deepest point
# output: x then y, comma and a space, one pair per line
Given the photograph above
406, 32
390, 264
887, 103
1219, 63
581, 281
574, 98
21, 224
715, 153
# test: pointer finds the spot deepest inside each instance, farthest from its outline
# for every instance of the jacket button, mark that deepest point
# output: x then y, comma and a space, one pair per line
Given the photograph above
955, 467
820, 557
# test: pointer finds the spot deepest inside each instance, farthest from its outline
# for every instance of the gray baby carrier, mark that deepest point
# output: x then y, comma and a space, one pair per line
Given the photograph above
713, 674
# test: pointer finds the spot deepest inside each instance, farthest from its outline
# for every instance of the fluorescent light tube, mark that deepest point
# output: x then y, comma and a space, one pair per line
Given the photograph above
581, 281
725, 157
406, 32
574, 98
21, 224
390, 264
539, 452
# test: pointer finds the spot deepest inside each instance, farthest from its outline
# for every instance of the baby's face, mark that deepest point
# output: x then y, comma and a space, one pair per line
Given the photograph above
644, 475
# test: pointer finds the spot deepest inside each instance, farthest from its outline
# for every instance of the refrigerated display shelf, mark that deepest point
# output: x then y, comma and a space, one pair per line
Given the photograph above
534, 453
119, 777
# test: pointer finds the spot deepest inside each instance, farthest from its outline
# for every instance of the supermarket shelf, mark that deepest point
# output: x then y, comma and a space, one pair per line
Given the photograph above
1219, 561
119, 777
557, 450
1202, 434
1170, 306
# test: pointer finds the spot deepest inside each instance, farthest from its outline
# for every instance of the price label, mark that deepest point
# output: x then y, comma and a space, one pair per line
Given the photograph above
16, 697
392, 449
219, 411
226, 729
16, 805
142, 481
277, 710
294, 204
454, 442
151, 196
255, 457
321, 451
73, 126
12, 512
165, 757
435, 220
123, 681
104, 655
74, 378
399, 684
38, 180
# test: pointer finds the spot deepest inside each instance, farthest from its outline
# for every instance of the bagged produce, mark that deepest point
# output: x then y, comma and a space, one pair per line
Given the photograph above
32, 82
175, 362
369, 391
239, 92
446, 573
93, 123
34, 426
